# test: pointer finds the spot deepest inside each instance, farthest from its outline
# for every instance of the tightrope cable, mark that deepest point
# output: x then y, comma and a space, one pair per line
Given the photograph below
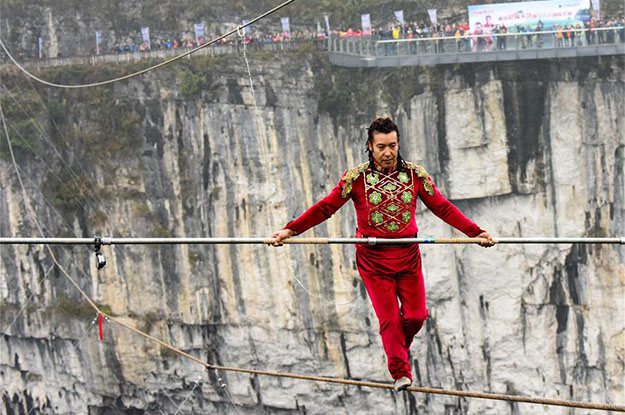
146, 70
380, 385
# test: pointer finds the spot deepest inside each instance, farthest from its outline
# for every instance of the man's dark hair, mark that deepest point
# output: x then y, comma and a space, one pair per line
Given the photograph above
383, 125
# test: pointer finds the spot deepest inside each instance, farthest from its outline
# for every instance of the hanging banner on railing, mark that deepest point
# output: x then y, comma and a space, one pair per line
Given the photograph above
596, 9
248, 29
98, 42
286, 26
145, 34
432, 13
399, 16
550, 13
366, 24
200, 36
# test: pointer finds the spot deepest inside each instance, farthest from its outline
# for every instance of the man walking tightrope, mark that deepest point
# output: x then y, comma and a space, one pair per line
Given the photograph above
385, 191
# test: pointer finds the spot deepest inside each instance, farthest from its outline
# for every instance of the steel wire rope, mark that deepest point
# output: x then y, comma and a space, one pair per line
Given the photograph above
63, 219
196, 384
223, 386
27, 301
30, 209
380, 385
73, 196
148, 69
48, 202
75, 178
261, 139
30, 148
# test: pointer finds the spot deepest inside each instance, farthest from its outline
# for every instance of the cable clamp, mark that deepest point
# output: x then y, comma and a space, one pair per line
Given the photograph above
241, 31
99, 256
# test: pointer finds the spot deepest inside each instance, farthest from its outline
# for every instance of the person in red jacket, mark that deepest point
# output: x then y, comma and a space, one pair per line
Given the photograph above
384, 191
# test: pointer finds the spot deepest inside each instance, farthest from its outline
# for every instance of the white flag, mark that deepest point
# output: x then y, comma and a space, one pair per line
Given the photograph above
199, 33
399, 15
432, 13
366, 24
145, 34
98, 42
286, 27
326, 18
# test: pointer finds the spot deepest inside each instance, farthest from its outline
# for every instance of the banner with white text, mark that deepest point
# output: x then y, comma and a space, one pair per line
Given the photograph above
527, 14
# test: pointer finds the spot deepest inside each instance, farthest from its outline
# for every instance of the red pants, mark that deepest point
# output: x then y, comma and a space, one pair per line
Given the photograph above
391, 273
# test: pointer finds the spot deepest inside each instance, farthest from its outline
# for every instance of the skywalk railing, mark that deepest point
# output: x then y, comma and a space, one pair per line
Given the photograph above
162, 54
373, 46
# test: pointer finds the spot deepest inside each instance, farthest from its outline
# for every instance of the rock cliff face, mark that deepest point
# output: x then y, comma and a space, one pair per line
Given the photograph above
527, 149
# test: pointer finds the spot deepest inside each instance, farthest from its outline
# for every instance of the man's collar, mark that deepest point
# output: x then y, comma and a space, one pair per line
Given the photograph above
383, 170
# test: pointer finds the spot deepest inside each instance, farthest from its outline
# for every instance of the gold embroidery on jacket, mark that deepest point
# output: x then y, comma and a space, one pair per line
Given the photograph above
422, 174
351, 175
389, 199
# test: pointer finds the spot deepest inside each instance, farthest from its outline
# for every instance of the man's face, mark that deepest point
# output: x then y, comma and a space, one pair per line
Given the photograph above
385, 147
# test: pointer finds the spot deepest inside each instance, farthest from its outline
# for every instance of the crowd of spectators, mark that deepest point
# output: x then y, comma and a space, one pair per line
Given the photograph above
190, 41
448, 37
485, 37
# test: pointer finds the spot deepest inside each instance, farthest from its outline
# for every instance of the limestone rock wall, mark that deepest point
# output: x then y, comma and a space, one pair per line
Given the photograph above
528, 149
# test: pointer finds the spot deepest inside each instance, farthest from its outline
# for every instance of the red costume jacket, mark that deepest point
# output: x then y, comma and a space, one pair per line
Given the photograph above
385, 203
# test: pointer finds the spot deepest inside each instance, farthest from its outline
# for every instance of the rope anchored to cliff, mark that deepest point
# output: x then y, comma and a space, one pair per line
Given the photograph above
380, 385
437, 391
